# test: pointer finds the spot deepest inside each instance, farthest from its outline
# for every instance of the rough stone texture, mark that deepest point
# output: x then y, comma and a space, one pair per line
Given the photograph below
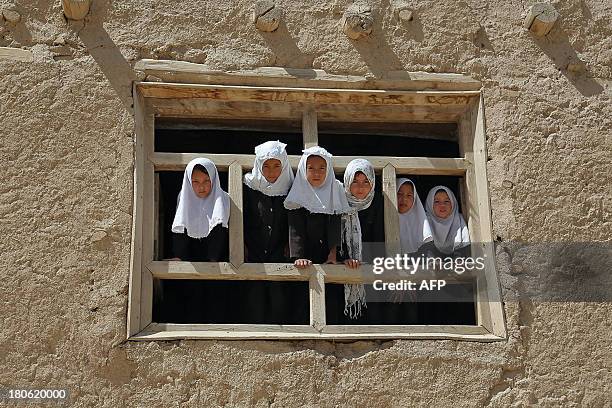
66, 146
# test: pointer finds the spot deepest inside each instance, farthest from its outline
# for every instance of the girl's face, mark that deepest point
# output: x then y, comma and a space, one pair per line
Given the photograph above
360, 187
316, 170
405, 198
442, 205
200, 182
272, 169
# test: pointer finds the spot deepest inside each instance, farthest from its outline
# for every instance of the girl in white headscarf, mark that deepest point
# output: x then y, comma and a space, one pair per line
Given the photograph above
316, 201
265, 217
199, 234
449, 230
202, 214
414, 225
359, 181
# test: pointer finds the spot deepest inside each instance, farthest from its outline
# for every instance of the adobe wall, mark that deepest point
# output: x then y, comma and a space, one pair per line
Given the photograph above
66, 149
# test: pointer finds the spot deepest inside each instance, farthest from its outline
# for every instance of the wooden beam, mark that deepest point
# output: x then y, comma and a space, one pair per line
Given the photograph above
148, 216
392, 233
136, 261
161, 331
162, 90
541, 18
404, 165
310, 127
220, 109
495, 321
287, 272
236, 231
187, 72
76, 9
208, 108
316, 291
16, 54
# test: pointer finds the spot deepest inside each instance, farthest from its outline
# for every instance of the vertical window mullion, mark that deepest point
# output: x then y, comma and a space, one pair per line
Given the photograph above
310, 127
392, 234
316, 290
236, 231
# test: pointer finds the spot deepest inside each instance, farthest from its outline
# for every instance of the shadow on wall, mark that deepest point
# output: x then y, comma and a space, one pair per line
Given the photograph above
374, 49
557, 47
285, 49
101, 47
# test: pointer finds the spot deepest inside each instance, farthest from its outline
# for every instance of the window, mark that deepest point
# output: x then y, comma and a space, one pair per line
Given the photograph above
309, 107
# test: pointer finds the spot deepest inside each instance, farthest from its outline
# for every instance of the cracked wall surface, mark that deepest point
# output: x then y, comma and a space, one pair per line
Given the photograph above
66, 146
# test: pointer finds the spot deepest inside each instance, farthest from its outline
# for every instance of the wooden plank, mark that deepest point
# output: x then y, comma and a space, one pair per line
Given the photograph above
392, 233
236, 232
134, 292
16, 54
405, 165
179, 71
310, 127
218, 109
316, 290
495, 321
206, 108
156, 219
156, 331
148, 216
314, 96
225, 270
457, 329
286, 272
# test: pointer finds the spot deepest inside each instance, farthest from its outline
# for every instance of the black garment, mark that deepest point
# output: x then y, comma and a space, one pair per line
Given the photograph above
312, 236
213, 248
372, 220
197, 301
266, 230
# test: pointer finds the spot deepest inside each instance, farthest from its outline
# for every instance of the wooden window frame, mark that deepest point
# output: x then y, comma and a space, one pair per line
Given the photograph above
178, 89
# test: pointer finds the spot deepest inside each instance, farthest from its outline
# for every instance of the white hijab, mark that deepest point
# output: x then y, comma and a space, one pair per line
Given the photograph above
354, 294
414, 226
451, 233
200, 215
329, 198
256, 180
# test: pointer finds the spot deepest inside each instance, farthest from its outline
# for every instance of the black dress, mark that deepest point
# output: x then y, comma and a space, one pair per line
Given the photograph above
197, 301
266, 239
312, 236
265, 227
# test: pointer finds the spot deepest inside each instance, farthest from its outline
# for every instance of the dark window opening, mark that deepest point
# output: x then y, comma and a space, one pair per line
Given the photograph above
230, 302
224, 136
380, 139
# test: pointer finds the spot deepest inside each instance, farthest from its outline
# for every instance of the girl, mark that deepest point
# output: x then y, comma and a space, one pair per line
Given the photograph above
200, 233
266, 235
200, 224
359, 184
449, 230
316, 201
265, 218
414, 226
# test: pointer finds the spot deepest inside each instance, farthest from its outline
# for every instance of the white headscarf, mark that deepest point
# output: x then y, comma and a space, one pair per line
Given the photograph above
354, 294
414, 226
449, 233
200, 215
329, 198
256, 180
